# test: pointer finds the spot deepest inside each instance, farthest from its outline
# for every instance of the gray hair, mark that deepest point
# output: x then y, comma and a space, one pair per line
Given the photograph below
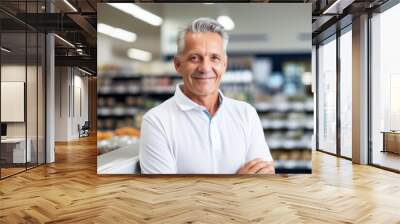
202, 25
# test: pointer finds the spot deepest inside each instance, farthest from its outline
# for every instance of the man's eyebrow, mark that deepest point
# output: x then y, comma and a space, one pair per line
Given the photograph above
194, 53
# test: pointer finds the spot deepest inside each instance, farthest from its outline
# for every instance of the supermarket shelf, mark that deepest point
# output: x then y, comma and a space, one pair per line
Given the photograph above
117, 111
127, 76
234, 77
290, 149
266, 129
296, 170
148, 92
293, 166
276, 110
266, 107
119, 93
289, 144
168, 91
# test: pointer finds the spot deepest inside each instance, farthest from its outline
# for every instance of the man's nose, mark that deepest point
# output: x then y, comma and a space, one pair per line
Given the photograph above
205, 66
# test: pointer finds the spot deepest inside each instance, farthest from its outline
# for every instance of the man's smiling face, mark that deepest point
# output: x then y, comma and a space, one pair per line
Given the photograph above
202, 63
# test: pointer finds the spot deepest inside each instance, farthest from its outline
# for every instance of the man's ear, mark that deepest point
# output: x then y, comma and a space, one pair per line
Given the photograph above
177, 63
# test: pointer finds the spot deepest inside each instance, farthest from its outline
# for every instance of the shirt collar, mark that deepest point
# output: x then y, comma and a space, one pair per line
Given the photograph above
185, 103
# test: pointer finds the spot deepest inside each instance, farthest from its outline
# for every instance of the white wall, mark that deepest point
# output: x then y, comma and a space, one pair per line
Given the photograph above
68, 83
15, 73
33, 126
12, 73
61, 103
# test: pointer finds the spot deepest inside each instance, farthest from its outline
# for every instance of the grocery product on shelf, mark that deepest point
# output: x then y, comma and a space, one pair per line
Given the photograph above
127, 131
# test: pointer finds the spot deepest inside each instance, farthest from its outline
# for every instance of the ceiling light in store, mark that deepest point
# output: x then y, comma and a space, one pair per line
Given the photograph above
226, 22
70, 5
86, 72
116, 32
139, 54
138, 12
5, 50
64, 40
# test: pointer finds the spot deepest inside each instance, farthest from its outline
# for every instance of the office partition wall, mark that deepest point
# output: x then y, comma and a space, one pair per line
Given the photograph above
22, 78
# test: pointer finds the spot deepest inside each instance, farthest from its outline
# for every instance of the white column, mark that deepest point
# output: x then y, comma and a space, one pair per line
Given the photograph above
360, 90
50, 99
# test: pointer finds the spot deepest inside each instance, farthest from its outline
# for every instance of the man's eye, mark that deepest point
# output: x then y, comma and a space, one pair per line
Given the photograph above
194, 58
215, 58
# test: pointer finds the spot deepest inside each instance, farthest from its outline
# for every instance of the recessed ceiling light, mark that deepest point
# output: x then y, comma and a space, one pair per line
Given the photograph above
334, 8
84, 71
139, 54
226, 22
5, 50
116, 32
138, 12
70, 5
64, 40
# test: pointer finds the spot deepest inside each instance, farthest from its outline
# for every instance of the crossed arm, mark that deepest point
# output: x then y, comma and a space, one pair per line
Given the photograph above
257, 166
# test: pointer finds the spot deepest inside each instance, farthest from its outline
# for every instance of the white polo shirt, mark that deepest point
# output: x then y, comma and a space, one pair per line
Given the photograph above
180, 137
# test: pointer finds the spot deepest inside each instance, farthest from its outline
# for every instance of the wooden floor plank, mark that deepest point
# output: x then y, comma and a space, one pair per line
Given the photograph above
70, 191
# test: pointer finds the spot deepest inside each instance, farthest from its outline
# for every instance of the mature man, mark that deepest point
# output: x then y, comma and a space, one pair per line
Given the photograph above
198, 130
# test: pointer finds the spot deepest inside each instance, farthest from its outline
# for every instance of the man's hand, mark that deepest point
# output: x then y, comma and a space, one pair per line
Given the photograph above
257, 166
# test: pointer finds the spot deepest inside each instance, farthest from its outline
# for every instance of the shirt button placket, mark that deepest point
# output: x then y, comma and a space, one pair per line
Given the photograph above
214, 137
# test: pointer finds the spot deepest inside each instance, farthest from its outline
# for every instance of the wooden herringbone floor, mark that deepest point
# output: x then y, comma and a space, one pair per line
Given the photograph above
70, 191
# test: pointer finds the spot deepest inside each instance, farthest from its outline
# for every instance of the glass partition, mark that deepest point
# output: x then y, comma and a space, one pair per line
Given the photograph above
14, 153
22, 90
346, 93
327, 96
385, 89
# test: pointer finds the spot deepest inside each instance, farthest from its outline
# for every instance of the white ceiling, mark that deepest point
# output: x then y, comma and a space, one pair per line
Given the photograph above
286, 26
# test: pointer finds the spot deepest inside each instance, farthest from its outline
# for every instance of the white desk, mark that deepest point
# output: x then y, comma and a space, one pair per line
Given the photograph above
18, 150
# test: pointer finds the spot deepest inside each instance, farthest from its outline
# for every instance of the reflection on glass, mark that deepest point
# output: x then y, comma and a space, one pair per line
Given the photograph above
345, 94
22, 89
327, 96
14, 151
385, 85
